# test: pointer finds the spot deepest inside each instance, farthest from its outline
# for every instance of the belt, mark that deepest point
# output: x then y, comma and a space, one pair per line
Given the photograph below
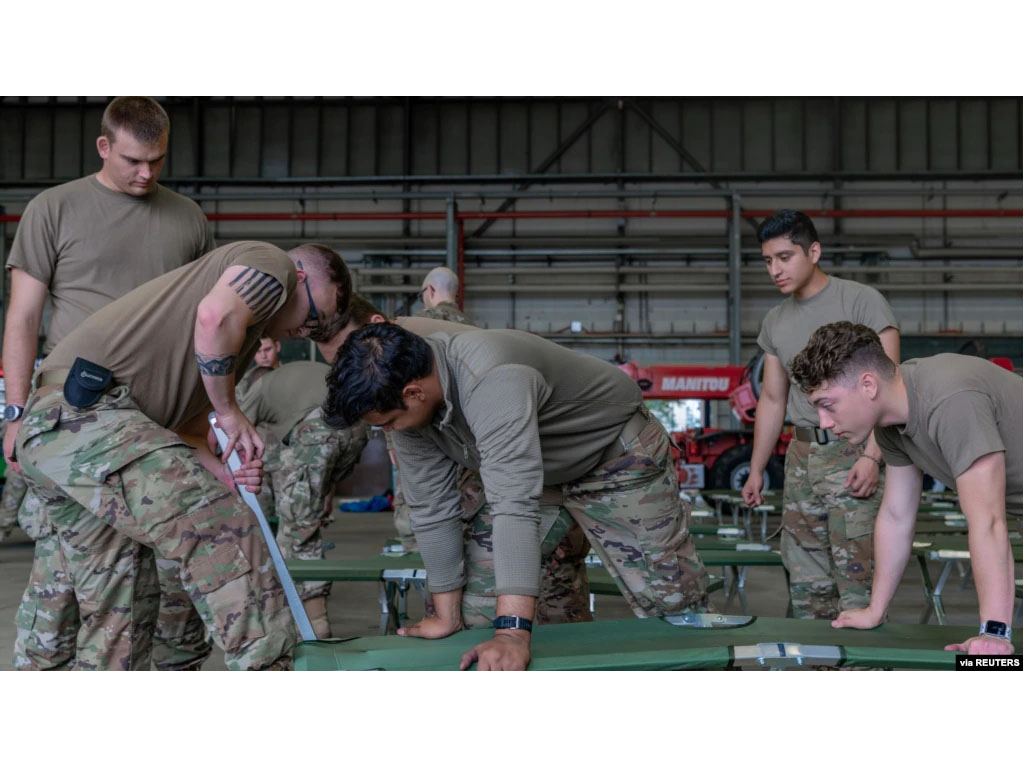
630, 430
46, 378
815, 435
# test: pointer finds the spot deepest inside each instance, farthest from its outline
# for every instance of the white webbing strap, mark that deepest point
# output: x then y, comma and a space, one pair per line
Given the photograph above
292, 595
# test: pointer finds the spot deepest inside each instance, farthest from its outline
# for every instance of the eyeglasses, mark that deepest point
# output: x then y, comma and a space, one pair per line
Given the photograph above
313, 319
319, 330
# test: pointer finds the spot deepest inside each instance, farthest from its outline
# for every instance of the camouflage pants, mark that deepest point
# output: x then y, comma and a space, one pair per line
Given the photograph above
271, 469
403, 523
10, 501
47, 621
826, 532
314, 460
114, 483
630, 511
564, 590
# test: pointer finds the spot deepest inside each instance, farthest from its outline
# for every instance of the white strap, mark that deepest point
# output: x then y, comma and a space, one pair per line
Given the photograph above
294, 601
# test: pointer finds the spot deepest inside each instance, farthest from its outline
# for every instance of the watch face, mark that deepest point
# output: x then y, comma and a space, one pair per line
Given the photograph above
995, 628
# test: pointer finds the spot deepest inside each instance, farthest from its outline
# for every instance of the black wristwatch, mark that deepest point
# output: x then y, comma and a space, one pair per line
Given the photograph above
513, 622
996, 629
13, 412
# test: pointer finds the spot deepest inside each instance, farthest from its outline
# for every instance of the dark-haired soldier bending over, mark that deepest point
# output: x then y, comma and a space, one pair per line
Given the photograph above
528, 414
564, 587
955, 417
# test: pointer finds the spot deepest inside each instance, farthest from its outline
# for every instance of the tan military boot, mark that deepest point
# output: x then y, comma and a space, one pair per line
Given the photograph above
316, 609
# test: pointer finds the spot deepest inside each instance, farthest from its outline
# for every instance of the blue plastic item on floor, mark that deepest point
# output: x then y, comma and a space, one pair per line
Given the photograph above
375, 504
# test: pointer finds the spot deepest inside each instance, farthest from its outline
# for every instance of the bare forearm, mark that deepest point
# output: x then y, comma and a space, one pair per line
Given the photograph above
892, 542
982, 491
871, 447
448, 607
217, 343
768, 421
21, 340
992, 564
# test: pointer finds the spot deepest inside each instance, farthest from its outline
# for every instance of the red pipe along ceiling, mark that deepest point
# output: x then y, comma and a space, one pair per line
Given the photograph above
847, 213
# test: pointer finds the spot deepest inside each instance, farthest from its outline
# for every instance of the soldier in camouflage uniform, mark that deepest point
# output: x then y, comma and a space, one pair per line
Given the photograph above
310, 460
526, 413
96, 444
564, 595
832, 489
79, 244
110, 460
440, 293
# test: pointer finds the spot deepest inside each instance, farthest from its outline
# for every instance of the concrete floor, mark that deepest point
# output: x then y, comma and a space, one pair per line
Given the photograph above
354, 610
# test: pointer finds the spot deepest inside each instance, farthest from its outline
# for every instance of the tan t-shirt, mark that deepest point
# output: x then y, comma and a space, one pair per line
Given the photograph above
961, 408
249, 379
146, 336
90, 245
788, 327
283, 396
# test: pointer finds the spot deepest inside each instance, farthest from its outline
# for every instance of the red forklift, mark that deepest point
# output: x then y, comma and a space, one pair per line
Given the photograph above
712, 458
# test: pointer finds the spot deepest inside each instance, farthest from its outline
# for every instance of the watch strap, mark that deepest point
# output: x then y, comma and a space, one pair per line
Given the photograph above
513, 622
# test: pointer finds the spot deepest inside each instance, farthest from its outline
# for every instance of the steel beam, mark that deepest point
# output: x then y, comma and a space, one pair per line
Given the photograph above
451, 236
527, 179
576, 194
735, 267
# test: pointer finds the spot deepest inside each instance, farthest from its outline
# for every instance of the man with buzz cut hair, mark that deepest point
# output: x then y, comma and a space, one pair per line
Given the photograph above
542, 424
267, 359
440, 294
830, 495
959, 419
114, 442
83, 245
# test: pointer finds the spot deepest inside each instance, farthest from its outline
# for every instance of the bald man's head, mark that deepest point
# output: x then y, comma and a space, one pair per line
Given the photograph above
440, 284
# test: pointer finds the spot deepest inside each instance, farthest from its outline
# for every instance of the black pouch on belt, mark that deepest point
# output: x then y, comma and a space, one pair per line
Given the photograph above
86, 383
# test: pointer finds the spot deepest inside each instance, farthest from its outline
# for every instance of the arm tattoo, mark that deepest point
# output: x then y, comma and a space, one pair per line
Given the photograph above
211, 365
258, 290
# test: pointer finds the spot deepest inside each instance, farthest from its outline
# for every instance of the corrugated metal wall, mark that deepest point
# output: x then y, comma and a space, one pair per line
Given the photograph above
307, 155
273, 138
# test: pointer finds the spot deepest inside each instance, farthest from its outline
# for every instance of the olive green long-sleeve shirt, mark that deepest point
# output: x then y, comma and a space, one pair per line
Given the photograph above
526, 413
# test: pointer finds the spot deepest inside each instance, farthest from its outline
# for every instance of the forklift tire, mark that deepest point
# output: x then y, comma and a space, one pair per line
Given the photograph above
732, 468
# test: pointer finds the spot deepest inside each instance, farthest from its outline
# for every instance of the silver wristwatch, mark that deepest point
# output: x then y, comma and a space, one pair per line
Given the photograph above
996, 629
13, 412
